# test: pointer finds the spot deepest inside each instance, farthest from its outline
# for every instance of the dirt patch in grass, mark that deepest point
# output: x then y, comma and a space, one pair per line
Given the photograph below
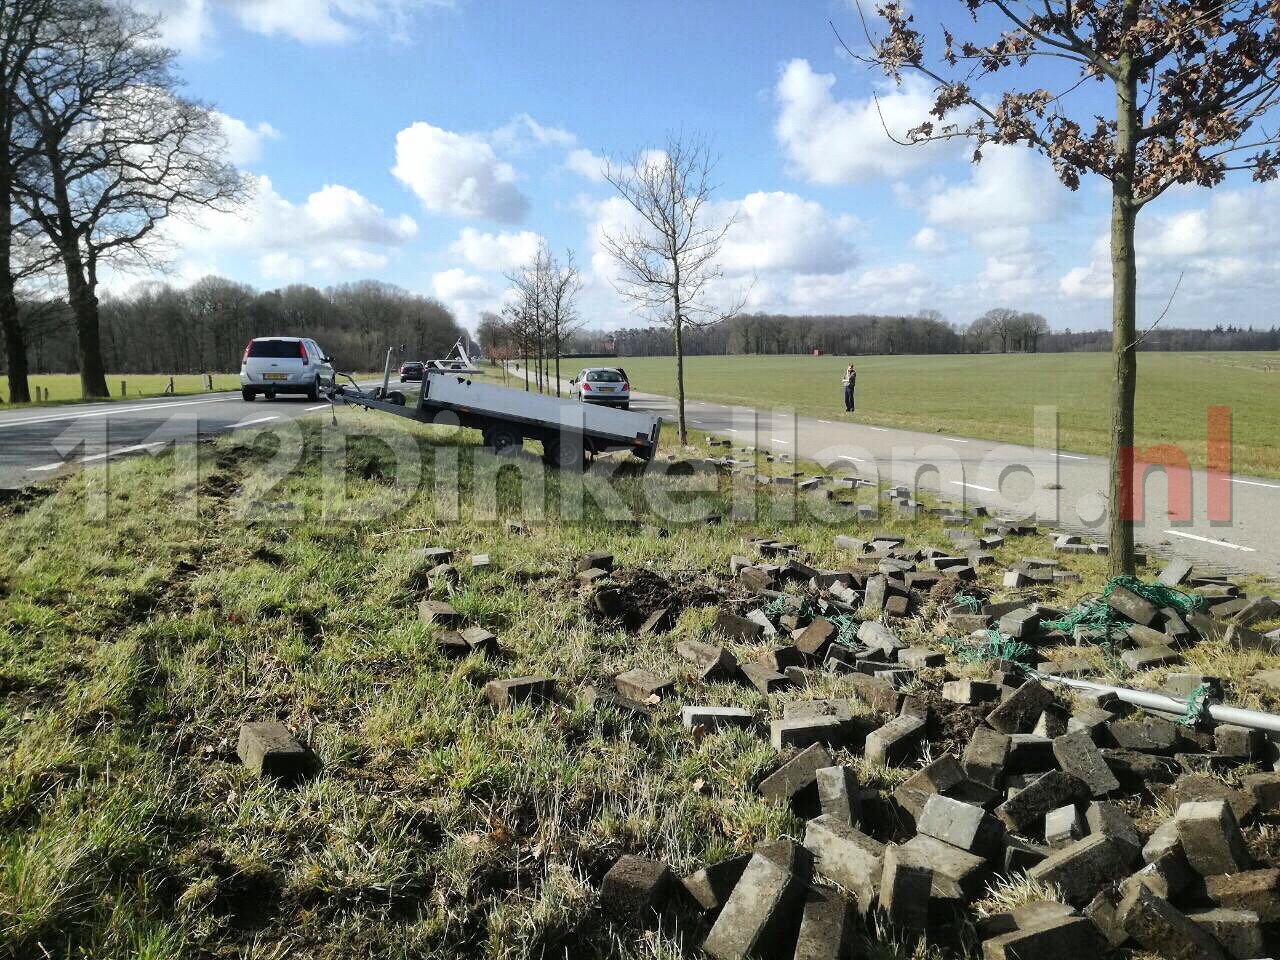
642, 592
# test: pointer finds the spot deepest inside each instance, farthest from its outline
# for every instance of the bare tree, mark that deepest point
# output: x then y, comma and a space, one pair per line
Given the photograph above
1001, 323
1192, 82
1032, 326
24, 28
668, 260
118, 152
562, 286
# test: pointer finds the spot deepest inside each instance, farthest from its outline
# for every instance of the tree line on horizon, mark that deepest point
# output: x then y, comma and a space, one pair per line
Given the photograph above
203, 328
998, 331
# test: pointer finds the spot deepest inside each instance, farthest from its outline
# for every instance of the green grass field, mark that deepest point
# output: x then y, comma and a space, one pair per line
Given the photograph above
65, 387
134, 644
993, 396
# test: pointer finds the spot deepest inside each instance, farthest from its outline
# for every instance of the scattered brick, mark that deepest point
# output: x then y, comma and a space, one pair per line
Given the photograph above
268, 750
634, 889
1211, 838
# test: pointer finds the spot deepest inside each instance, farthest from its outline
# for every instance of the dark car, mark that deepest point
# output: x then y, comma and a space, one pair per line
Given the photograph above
410, 371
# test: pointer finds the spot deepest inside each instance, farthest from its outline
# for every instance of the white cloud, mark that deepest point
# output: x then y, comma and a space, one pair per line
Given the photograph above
929, 240
497, 252
190, 24
244, 143
585, 164
1010, 187
522, 132
457, 284
782, 231
458, 174
335, 232
834, 141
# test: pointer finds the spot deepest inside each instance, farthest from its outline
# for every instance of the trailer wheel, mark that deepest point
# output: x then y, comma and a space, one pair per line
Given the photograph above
565, 453
503, 441
396, 397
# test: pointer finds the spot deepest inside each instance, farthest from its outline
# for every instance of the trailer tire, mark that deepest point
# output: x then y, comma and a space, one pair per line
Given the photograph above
396, 397
565, 453
503, 441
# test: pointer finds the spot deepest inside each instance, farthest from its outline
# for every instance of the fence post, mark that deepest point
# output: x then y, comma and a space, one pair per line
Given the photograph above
168, 390
124, 389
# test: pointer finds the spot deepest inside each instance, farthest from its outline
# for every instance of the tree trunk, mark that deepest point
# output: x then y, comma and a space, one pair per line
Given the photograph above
682, 427
557, 364
84, 306
1124, 307
15, 346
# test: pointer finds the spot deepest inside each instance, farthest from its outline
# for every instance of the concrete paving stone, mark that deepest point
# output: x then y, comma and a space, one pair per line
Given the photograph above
1077, 754
1238, 931
962, 825
876, 693
937, 776
506, 694
1019, 713
641, 685
789, 855
478, 638
802, 732
1082, 869
1146, 734
1021, 623
270, 751
1021, 855
1130, 605
1061, 938
763, 677
591, 575
711, 886
634, 889
826, 927
738, 628
1063, 826
1256, 890
957, 874
1147, 636
1182, 685
1092, 720
1112, 821
1175, 572
895, 742
1238, 743
1164, 930
758, 914
758, 577
876, 636
897, 605
1147, 658
969, 692
434, 555
1103, 911
1024, 812
1029, 753
780, 658
1211, 838
438, 613
1265, 790
796, 709
715, 718
921, 658
984, 757
1052, 724
812, 640
597, 561
1133, 768
840, 794
660, 621
761, 619
1257, 610
795, 781
847, 856
905, 887
712, 662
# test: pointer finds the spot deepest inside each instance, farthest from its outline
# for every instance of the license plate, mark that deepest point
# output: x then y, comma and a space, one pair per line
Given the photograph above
606, 389
275, 376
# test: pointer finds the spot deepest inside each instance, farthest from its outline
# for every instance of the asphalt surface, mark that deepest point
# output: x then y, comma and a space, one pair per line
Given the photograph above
1066, 488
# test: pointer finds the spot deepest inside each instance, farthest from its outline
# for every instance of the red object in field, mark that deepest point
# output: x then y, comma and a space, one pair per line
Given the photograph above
817, 353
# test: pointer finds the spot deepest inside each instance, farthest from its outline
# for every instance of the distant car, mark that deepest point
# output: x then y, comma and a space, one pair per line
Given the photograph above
604, 385
411, 371
276, 365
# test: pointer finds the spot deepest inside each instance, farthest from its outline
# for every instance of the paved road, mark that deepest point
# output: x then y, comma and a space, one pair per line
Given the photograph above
1069, 487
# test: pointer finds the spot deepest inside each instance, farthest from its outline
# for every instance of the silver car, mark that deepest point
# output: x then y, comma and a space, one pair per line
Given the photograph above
603, 385
276, 365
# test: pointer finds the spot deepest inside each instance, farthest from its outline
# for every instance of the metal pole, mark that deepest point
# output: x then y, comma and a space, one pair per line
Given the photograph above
1254, 719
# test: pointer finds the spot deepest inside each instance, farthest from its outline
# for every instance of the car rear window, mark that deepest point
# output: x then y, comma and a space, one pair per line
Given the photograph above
604, 376
275, 349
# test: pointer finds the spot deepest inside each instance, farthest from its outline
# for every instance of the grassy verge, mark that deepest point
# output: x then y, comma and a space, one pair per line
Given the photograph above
65, 387
994, 396
134, 643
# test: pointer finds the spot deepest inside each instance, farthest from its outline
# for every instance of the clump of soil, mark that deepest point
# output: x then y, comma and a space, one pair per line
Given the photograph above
640, 592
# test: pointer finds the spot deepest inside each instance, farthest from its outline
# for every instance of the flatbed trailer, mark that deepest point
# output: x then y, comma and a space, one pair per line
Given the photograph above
569, 431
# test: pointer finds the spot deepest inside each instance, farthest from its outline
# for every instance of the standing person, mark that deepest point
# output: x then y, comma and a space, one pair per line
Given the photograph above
850, 379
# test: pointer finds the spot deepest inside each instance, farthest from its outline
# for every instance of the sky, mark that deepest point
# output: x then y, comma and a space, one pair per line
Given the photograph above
430, 143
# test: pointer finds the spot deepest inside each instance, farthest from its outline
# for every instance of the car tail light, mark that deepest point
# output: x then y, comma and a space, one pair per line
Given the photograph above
302, 352
585, 385
247, 347
626, 386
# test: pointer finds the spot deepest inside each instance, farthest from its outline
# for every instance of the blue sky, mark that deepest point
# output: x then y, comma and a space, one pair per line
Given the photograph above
430, 143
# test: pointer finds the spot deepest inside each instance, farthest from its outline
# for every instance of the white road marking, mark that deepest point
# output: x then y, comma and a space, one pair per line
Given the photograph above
879, 429
323, 406
119, 452
779, 440
119, 409
954, 439
1071, 456
824, 421
47, 467
1255, 483
975, 486
250, 423
1216, 543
